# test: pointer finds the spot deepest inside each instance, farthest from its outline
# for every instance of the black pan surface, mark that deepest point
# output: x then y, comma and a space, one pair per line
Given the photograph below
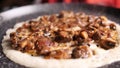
9, 18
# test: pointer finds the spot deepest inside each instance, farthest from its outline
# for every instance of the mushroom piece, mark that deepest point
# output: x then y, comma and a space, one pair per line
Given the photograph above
107, 43
84, 34
81, 52
78, 38
62, 36
96, 36
112, 26
43, 45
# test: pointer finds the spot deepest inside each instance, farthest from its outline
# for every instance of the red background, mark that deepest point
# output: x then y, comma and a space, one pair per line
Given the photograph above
111, 3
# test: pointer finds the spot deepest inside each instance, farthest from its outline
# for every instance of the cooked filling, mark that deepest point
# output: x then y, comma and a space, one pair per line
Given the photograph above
65, 36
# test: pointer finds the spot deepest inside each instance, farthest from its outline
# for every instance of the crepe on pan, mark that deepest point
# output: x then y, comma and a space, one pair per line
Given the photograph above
64, 40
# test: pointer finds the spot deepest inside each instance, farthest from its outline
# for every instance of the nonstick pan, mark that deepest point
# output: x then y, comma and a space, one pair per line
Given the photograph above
9, 18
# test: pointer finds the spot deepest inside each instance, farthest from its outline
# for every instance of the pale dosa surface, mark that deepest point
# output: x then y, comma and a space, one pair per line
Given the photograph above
27, 60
